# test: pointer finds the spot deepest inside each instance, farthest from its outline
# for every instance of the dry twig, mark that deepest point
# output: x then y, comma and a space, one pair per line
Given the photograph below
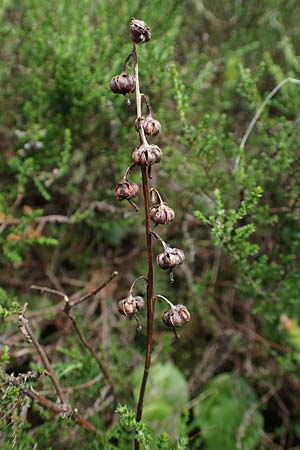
68, 305
64, 409
28, 333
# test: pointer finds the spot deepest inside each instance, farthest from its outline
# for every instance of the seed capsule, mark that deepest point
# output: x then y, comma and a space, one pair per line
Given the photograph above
126, 190
151, 126
170, 257
176, 316
162, 214
130, 305
146, 155
139, 31
122, 84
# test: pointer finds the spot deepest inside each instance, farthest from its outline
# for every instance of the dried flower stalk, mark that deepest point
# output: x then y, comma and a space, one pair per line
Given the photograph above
145, 156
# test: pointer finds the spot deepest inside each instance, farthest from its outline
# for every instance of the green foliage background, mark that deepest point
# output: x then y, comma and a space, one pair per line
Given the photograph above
66, 140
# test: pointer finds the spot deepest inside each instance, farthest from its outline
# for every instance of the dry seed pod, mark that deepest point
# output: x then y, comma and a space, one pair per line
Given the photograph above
126, 190
130, 305
146, 155
122, 84
176, 316
162, 214
151, 126
139, 31
170, 257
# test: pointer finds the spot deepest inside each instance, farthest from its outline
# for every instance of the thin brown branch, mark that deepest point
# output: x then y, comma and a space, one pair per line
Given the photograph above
248, 416
55, 408
85, 342
105, 207
67, 310
281, 348
28, 333
43, 219
93, 292
268, 442
79, 387
36, 313
66, 298
84, 423
44, 289
44, 402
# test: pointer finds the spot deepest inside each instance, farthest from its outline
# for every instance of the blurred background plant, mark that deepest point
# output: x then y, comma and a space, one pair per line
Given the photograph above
63, 145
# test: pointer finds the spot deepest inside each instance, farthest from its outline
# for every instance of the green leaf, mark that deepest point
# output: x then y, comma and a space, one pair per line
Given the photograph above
221, 414
166, 395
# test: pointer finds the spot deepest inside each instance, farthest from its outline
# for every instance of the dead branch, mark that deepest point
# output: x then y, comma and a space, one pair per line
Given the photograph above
68, 305
28, 333
63, 409
43, 219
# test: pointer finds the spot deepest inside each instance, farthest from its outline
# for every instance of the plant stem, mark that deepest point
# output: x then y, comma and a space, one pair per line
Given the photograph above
150, 299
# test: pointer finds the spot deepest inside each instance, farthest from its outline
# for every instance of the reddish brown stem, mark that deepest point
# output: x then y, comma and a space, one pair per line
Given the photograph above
150, 299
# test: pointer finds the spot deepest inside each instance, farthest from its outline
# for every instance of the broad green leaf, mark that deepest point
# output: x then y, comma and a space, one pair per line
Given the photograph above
221, 414
165, 398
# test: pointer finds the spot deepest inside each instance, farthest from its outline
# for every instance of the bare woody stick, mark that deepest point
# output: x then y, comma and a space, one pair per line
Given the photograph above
28, 333
95, 291
52, 407
84, 341
83, 297
67, 310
